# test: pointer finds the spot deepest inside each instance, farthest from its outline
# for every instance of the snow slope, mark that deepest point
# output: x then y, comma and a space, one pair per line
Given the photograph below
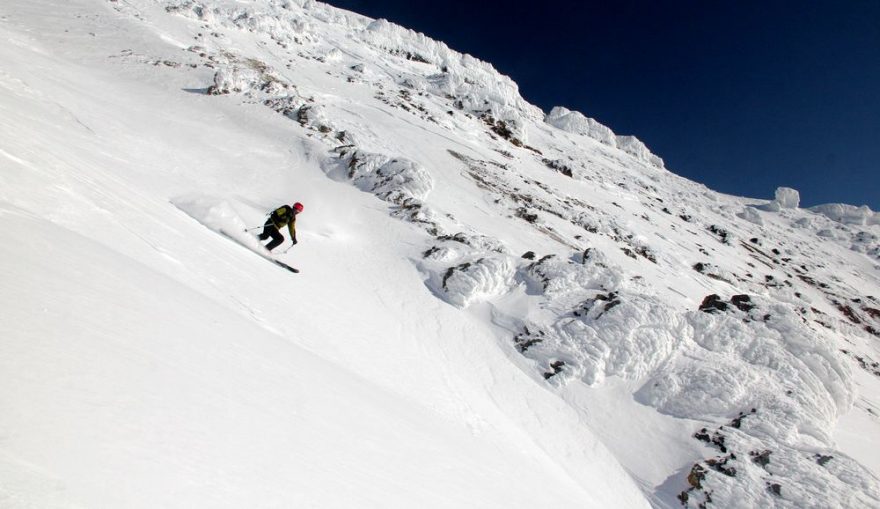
497, 307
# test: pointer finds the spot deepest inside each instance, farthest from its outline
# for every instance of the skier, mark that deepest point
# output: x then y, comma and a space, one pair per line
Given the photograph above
283, 215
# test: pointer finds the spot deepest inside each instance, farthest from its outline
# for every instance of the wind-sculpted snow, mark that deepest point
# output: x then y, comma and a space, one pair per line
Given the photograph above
596, 328
475, 85
753, 472
705, 365
848, 214
577, 123
636, 148
392, 179
467, 282
760, 355
751, 215
559, 278
619, 334
791, 386
787, 197
238, 78
283, 24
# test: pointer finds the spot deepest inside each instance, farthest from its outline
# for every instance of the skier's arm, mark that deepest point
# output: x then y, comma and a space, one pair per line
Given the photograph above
291, 227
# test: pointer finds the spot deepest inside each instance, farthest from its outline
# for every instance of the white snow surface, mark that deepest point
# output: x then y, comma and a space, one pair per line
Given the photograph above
496, 307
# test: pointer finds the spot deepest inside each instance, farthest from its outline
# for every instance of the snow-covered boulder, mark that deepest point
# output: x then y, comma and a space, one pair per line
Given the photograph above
788, 198
636, 148
392, 179
780, 386
578, 123
479, 243
314, 116
463, 284
751, 215
615, 333
473, 85
235, 79
750, 353
620, 334
848, 214
556, 277
245, 76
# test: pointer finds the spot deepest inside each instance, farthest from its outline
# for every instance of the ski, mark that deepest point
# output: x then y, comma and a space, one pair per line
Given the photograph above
286, 266
279, 263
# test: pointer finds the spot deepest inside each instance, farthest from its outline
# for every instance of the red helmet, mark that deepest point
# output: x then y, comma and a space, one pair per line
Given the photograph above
298, 207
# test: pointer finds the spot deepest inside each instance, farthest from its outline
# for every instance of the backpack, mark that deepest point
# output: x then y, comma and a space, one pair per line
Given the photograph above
282, 215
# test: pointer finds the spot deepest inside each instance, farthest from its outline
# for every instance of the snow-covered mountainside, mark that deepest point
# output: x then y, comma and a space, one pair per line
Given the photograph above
497, 307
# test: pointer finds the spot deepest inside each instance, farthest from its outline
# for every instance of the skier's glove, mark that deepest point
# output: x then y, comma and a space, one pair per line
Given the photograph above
294, 242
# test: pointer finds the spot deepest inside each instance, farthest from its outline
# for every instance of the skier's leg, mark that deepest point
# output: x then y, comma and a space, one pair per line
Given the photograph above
277, 239
267, 229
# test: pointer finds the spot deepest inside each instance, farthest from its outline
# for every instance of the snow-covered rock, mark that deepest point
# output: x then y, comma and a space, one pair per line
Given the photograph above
787, 197
392, 179
235, 79
848, 214
636, 148
751, 215
463, 284
577, 123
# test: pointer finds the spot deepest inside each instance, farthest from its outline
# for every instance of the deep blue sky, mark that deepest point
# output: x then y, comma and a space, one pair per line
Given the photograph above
743, 96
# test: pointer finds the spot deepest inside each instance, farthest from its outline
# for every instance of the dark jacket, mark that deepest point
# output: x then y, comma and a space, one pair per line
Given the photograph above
284, 215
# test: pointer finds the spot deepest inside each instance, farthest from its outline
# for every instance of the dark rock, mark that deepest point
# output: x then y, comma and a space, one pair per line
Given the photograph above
716, 439
529, 255
451, 271
556, 367
720, 465
523, 213
742, 302
702, 435
722, 234
588, 254
849, 313
683, 497
713, 303
558, 166
611, 300
696, 476
431, 251
762, 458
526, 339
822, 459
